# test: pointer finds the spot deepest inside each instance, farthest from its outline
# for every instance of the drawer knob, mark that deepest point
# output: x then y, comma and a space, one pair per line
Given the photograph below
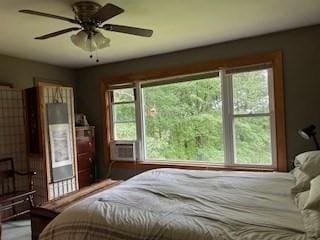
90, 159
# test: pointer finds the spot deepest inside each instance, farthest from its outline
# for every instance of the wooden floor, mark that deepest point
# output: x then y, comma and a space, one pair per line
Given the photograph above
16, 230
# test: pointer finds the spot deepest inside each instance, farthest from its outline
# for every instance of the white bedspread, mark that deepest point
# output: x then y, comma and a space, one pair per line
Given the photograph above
186, 205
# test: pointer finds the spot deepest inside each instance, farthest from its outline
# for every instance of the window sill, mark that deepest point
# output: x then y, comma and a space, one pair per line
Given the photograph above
193, 166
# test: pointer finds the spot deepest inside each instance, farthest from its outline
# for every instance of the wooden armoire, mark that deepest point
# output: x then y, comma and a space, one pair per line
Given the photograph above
51, 144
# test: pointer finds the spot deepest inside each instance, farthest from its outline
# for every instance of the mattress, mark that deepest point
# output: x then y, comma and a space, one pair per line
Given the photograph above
186, 205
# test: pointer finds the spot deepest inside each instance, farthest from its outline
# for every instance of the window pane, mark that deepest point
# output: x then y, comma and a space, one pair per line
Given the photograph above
250, 92
124, 112
253, 140
123, 95
125, 131
183, 121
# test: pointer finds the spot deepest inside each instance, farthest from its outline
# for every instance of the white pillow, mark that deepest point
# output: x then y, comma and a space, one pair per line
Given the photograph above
302, 157
302, 181
311, 163
314, 196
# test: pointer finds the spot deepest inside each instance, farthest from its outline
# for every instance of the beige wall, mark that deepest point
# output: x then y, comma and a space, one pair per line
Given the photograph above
301, 49
21, 73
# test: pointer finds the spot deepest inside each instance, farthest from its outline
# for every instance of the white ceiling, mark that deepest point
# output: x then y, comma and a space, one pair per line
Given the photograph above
177, 25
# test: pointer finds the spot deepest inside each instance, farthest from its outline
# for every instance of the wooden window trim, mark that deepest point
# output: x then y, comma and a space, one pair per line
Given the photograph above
275, 58
194, 166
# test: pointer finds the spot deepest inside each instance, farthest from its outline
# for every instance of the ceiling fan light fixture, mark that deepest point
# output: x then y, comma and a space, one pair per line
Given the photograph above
90, 41
100, 40
90, 45
80, 39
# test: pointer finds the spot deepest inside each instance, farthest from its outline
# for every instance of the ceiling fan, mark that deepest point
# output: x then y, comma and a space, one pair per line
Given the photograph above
90, 17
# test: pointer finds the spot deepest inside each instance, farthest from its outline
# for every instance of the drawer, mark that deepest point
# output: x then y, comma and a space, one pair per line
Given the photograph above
85, 139
84, 160
85, 178
85, 132
85, 145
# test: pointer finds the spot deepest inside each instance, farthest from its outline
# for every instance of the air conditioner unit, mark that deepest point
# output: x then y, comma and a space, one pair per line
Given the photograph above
123, 150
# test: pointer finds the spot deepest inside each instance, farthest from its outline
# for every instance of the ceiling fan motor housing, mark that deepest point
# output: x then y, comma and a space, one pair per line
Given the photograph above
84, 11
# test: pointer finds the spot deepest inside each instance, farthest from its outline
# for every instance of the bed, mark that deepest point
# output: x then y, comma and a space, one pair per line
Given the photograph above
186, 204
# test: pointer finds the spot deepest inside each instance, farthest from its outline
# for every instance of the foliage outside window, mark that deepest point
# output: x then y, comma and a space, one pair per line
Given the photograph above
222, 118
183, 121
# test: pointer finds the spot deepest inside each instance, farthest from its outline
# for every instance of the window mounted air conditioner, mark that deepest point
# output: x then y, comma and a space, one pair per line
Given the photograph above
123, 150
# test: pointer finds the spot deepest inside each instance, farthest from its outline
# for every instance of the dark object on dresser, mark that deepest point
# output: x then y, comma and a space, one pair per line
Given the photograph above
43, 215
11, 198
85, 155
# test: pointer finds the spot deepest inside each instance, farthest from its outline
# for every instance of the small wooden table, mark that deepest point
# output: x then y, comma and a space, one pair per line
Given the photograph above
43, 215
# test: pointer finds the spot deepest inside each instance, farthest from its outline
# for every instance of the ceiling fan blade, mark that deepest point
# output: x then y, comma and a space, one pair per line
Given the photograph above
49, 15
129, 30
50, 35
107, 12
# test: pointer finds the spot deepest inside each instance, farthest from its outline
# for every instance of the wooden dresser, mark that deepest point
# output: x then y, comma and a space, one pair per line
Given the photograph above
85, 141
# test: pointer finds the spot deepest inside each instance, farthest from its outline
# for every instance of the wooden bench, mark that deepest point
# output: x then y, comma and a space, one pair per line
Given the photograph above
43, 215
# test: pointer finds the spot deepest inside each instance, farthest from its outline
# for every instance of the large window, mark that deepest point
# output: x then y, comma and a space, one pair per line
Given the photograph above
223, 117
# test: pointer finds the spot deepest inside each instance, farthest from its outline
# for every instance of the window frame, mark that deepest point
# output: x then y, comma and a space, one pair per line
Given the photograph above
274, 58
230, 116
113, 104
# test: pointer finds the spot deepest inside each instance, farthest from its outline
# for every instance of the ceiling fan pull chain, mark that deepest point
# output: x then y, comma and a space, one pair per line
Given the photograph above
90, 44
97, 58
